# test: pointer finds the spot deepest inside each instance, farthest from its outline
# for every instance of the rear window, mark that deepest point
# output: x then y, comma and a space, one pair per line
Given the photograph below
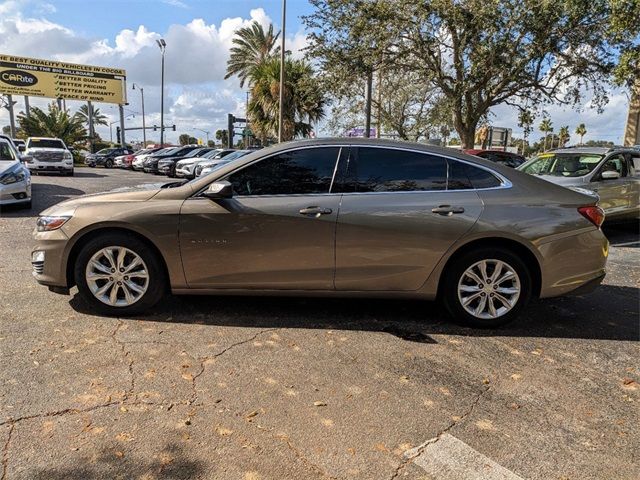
463, 176
6, 152
45, 143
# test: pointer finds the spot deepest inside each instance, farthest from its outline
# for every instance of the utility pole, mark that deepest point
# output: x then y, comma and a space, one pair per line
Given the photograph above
122, 139
162, 44
281, 99
26, 106
379, 129
91, 132
12, 120
144, 130
632, 130
367, 105
246, 125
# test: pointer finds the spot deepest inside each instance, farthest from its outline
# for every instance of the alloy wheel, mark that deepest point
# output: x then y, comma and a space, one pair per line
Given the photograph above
117, 276
489, 289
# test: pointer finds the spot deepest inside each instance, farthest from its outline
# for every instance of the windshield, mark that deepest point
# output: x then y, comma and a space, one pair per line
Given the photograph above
6, 152
562, 164
212, 153
165, 151
198, 152
106, 151
45, 143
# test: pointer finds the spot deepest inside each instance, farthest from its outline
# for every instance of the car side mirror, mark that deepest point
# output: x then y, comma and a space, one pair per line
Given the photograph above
218, 190
610, 175
21, 148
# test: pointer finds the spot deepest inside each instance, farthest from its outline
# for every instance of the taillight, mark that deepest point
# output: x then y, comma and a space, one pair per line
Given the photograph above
593, 213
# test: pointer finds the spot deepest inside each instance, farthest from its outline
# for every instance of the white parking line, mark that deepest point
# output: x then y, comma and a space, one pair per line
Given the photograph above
448, 458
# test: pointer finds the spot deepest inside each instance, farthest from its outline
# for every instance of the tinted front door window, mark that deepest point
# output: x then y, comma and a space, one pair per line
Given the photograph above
305, 171
388, 170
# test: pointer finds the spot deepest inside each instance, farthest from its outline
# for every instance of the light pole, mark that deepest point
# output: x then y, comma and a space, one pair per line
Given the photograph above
281, 99
162, 44
205, 132
144, 129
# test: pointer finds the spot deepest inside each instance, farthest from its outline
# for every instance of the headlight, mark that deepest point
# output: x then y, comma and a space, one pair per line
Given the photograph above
47, 224
12, 176
67, 156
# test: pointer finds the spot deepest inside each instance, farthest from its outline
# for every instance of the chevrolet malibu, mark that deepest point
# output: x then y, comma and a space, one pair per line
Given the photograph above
350, 217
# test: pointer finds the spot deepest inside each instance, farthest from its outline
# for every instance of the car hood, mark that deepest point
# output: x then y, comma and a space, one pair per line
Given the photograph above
41, 149
190, 161
564, 181
139, 193
7, 164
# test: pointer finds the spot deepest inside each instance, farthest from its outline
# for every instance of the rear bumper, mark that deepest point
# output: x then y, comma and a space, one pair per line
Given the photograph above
573, 264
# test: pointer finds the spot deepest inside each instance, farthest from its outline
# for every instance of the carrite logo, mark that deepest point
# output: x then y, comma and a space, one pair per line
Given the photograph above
18, 78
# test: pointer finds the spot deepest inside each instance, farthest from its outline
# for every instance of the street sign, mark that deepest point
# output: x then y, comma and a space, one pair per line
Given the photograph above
50, 78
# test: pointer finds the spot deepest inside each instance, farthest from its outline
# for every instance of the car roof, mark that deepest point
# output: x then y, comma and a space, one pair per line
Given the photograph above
594, 150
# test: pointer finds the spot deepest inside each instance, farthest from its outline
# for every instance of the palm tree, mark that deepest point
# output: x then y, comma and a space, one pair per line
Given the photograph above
582, 131
98, 117
55, 123
252, 46
546, 127
563, 136
525, 121
303, 101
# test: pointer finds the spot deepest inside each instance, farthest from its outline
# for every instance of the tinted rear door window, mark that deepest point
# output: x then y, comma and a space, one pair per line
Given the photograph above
304, 171
391, 170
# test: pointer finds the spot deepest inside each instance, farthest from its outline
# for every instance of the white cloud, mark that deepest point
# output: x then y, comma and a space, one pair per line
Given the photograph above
608, 125
176, 3
195, 64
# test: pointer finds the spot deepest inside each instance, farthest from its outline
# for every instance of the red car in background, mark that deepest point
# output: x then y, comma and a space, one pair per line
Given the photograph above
508, 159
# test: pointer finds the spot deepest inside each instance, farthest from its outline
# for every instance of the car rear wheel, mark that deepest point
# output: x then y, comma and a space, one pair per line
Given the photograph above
119, 275
108, 163
487, 288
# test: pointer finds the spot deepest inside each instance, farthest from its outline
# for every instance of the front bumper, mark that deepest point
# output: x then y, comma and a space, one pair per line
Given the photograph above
185, 172
62, 166
51, 269
15, 193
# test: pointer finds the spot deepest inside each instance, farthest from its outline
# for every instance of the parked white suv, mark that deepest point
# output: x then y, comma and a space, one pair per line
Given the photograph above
49, 155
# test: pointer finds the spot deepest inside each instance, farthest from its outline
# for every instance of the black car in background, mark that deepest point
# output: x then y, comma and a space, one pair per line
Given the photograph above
151, 163
167, 166
106, 156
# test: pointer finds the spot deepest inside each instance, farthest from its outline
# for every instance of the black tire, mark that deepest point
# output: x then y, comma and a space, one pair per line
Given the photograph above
108, 163
70, 174
26, 205
157, 278
452, 277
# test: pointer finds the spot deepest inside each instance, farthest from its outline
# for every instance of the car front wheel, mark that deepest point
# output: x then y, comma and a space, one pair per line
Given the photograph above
487, 288
119, 275
108, 164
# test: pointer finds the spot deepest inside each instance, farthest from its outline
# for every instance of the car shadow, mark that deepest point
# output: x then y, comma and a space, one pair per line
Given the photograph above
623, 235
609, 313
43, 196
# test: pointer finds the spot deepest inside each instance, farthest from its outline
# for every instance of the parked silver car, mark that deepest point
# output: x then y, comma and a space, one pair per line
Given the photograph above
612, 173
341, 217
15, 179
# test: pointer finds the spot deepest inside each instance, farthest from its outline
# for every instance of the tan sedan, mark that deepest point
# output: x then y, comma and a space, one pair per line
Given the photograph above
350, 217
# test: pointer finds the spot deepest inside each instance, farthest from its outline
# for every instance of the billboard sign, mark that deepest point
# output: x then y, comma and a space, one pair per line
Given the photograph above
50, 78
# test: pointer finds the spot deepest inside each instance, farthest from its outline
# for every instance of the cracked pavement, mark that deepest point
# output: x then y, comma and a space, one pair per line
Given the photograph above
279, 388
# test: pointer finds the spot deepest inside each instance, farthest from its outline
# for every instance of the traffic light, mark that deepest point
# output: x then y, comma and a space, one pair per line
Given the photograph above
230, 120
117, 134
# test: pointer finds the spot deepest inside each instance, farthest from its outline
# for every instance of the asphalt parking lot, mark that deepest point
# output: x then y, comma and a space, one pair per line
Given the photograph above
275, 388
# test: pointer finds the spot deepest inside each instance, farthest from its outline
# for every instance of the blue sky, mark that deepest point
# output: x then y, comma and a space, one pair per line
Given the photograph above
158, 15
122, 34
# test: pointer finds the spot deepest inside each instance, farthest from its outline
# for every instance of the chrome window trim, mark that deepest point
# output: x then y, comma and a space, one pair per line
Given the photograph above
505, 183
335, 168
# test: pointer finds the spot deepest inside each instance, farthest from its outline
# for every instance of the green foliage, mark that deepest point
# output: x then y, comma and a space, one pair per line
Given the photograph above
563, 135
186, 139
223, 137
303, 100
98, 117
581, 130
251, 46
211, 143
476, 53
53, 123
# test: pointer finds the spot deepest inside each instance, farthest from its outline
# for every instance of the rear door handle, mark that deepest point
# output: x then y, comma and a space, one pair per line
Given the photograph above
315, 211
447, 210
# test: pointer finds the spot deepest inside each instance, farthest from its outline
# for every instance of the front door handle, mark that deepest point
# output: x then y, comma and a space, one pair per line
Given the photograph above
447, 210
315, 211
